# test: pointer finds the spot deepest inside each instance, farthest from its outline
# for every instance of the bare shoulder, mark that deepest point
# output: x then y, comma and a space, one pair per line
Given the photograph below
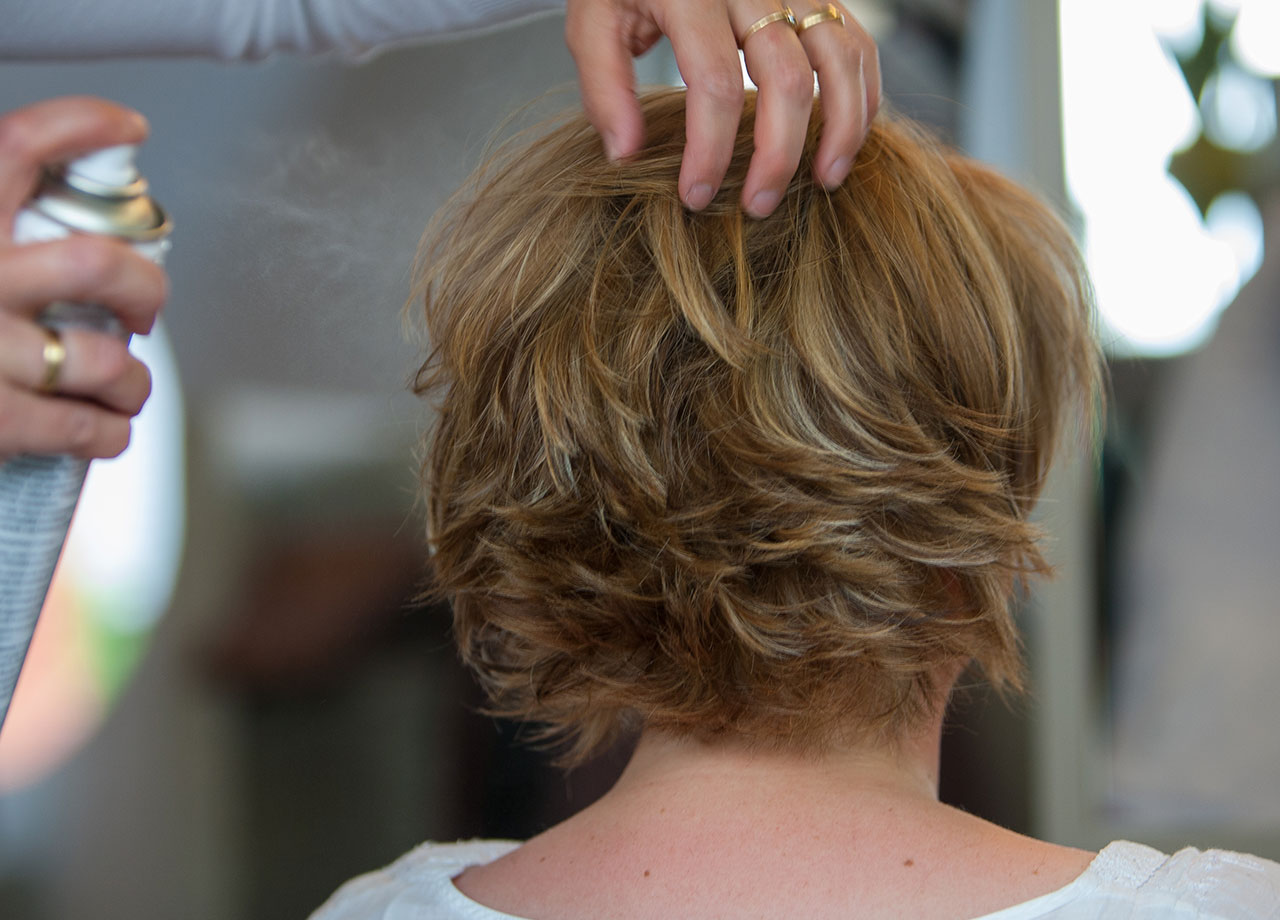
959, 867
993, 868
996, 852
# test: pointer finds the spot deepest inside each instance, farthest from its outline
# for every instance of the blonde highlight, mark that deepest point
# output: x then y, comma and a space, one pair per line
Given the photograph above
719, 475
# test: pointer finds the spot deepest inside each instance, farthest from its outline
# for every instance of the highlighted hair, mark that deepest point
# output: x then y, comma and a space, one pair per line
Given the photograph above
723, 476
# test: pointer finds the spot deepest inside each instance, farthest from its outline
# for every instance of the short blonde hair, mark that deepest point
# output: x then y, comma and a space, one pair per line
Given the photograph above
725, 476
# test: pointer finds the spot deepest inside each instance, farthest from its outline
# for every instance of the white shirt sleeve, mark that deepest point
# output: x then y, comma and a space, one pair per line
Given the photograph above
241, 29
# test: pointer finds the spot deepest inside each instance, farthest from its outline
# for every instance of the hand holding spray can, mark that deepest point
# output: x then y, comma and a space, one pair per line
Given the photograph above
101, 193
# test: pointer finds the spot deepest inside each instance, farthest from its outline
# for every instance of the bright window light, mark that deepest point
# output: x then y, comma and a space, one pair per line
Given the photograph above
1234, 220
1162, 277
1240, 109
1255, 39
1178, 22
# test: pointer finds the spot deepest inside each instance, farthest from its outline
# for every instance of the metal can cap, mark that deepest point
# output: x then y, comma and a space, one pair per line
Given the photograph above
102, 193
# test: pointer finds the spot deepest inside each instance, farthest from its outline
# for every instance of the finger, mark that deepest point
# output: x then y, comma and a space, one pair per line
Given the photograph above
595, 37
52, 132
848, 69
96, 366
83, 269
778, 65
870, 67
34, 424
707, 55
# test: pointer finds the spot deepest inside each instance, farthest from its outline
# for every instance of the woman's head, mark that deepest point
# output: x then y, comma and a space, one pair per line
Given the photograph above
732, 477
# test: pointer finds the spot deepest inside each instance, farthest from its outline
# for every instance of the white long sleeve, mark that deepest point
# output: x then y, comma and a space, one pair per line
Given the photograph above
240, 29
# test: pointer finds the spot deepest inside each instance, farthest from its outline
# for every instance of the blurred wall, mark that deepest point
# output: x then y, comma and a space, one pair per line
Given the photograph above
299, 190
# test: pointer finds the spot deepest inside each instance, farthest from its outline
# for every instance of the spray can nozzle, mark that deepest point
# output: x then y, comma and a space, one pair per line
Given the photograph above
110, 173
102, 192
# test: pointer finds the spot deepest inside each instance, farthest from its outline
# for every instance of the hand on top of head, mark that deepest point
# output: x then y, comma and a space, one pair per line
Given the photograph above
783, 53
74, 392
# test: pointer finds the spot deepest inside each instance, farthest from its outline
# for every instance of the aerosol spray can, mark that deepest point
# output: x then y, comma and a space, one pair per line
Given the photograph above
101, 193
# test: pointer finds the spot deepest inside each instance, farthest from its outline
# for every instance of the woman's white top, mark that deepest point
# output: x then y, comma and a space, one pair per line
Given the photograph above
1126, 881
53, 29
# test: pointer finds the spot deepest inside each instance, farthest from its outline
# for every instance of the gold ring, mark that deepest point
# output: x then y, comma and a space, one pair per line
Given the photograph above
781, 15
54, 356
828, 13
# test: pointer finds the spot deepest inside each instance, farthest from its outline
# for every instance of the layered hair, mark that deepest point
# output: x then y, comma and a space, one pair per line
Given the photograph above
742, 478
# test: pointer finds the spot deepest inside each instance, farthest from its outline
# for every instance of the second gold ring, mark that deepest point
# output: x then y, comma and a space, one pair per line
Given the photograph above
782, 15
828, 13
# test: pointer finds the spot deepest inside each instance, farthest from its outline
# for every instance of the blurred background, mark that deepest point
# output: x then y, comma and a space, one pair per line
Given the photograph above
233, 702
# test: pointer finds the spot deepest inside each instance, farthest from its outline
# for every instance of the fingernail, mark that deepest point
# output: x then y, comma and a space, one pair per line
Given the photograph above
612, 149
763, 204
699, 196
838, 171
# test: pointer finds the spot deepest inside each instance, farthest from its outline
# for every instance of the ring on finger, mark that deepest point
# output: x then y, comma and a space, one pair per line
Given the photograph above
54, 356
828, 13
782, 15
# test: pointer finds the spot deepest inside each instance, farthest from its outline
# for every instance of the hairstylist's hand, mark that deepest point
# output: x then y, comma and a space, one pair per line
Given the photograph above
605, 34
99, 387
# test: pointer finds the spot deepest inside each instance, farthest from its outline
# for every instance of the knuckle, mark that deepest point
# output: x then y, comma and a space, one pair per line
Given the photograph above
90, 261
107, 358
794, 80
847, 58
80, 429
723, 85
